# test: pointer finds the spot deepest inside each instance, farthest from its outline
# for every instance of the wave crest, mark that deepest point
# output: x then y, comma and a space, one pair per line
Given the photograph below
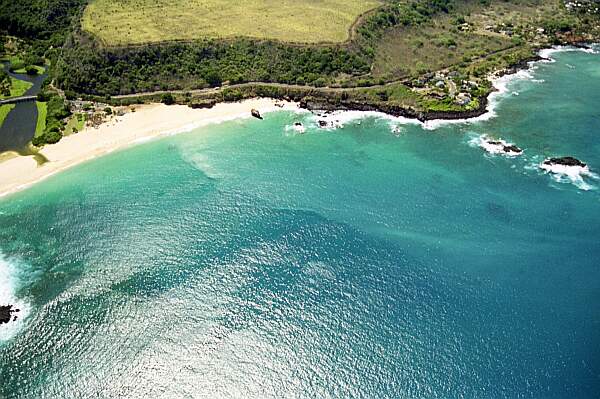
575, 175
11, 272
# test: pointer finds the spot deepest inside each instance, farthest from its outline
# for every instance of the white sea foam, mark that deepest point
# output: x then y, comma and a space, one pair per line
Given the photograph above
339, 119
575, 175
501, 84
299, 128
547, 53
296, 128
493, 146
503, 88
397, 130
11, 272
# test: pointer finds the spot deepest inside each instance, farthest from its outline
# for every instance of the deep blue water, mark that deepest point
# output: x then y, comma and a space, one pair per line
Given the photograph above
246, 260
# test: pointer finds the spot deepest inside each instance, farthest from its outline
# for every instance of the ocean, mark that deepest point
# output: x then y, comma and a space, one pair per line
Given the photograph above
382, 258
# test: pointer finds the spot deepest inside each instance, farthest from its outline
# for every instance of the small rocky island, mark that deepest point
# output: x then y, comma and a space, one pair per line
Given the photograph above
6, 314
510, 149
565, 161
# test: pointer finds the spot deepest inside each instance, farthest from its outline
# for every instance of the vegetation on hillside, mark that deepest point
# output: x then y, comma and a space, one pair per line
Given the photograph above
57, 110
94, 70
414, 56
49, 21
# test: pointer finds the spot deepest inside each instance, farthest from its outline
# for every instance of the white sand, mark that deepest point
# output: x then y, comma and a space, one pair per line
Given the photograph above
147, 122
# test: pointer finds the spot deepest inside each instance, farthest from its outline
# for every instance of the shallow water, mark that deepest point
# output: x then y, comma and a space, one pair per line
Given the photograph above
248, 260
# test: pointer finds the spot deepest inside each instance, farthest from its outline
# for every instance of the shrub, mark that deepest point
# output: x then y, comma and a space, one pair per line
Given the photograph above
31, 70
16, 65
167, 99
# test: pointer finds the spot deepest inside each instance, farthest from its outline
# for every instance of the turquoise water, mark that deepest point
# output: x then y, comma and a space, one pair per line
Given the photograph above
246, 260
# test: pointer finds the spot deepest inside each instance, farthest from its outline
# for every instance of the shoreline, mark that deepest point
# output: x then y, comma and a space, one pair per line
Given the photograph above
148, 122
151, 121
486, 102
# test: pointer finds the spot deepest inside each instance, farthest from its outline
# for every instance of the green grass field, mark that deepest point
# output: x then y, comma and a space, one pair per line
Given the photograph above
120, 22
42, 109
18, 88
4, 110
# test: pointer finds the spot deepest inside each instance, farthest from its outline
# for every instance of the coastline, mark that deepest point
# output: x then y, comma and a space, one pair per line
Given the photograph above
154, 120
146, 123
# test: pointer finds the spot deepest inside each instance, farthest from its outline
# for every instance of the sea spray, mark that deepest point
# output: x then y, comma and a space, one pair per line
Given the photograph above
495, 146
11, 276
575, 175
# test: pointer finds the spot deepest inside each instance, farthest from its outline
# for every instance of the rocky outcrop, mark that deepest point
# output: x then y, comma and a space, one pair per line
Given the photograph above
6, 314
326, 104
512, 148
255, 113
565, 161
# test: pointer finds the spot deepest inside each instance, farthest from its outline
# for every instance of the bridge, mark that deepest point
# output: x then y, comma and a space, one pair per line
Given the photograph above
15, 100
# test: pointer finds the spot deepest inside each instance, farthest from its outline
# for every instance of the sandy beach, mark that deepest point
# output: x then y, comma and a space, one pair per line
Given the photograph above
147, 122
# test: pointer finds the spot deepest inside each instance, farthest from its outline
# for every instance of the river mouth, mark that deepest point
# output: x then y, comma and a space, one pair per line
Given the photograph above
19, 126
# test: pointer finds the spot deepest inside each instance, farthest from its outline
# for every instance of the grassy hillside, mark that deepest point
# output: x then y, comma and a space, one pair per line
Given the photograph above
120, 22
473, 29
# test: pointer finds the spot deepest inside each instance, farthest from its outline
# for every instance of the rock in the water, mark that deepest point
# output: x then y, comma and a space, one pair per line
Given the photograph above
322, 123
498, 146
5, 313
505, 146
255, 113
566, 161
512, 148
299, 127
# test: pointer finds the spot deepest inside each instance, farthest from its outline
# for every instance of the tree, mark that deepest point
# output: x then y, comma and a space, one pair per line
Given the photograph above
31, 70
167, 99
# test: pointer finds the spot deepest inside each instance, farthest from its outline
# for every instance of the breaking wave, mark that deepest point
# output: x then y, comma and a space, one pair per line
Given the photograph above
493, 146
579, 176
11, 275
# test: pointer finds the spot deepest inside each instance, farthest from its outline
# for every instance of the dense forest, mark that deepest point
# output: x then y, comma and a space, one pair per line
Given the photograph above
86, 68
47, 20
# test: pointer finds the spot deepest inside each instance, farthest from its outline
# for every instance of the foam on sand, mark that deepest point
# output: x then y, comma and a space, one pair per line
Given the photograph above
11, 272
